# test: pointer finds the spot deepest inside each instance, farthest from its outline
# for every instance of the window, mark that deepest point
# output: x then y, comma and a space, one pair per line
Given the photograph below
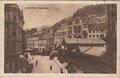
77, 21
93, 35
8, 17
89, 35
113, 6
14, 18
97, 35
14, 33
113, 26
75, 36
70, 28
13, 46
70, 37
89, 31
20, 45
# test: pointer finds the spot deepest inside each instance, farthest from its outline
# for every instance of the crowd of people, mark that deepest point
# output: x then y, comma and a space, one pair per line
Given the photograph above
26, 63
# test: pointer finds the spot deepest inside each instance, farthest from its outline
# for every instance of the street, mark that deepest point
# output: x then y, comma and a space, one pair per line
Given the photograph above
44, 63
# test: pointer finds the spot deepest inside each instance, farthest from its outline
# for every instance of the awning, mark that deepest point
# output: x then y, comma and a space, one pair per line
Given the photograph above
96, 50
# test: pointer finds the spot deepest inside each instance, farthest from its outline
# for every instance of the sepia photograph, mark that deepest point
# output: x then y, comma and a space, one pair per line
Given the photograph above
60, 38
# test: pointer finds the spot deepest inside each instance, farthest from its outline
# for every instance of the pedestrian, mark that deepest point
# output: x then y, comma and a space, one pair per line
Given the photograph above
61, 70
36, 62
50, 67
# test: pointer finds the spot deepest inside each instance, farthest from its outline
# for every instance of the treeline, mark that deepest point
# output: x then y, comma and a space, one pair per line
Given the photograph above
30, 31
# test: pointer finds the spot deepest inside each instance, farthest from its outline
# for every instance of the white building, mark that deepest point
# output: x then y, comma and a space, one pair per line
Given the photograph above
32, 42
96, 33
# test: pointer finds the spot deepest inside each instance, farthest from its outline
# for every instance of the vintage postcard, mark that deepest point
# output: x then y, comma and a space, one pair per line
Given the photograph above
59, 39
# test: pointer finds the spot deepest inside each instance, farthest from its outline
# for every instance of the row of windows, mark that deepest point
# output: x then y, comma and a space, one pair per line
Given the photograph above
59, 38
90, 36
33, 38
96, 31
95, 35
93, 31
37, 41
58, 42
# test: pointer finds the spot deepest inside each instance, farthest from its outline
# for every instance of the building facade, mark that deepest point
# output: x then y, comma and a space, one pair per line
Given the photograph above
96, 34
112, 32
32, 42
39, 41
75, 29
46, 42
60, 34
14, 37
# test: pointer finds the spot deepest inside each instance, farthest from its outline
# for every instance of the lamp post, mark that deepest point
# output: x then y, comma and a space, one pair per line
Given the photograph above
52, 31
77, 35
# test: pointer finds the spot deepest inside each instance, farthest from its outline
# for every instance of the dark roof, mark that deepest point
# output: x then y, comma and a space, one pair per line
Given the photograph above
36, 34
84, 41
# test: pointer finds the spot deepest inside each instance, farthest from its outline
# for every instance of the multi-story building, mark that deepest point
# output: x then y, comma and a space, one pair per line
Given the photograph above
14, 37
112, 32
75, 29
39, 41
71, 29
60, 34
94, 19
96, 34
79, 28
32, 42
96, 26
45, 42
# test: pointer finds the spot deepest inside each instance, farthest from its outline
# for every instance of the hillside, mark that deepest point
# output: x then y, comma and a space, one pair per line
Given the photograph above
98, 10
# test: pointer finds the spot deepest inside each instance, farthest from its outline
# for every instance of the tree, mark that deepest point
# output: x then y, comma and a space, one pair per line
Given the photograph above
85, 33
30, 31
45, 29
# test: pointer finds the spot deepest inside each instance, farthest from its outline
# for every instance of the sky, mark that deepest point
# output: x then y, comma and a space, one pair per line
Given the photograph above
38, 15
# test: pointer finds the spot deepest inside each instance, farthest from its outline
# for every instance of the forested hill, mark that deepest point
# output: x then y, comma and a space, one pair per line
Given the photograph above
99, 10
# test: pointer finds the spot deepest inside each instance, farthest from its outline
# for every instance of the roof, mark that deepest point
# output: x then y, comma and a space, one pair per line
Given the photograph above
95, 51
36, 33
84, 41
